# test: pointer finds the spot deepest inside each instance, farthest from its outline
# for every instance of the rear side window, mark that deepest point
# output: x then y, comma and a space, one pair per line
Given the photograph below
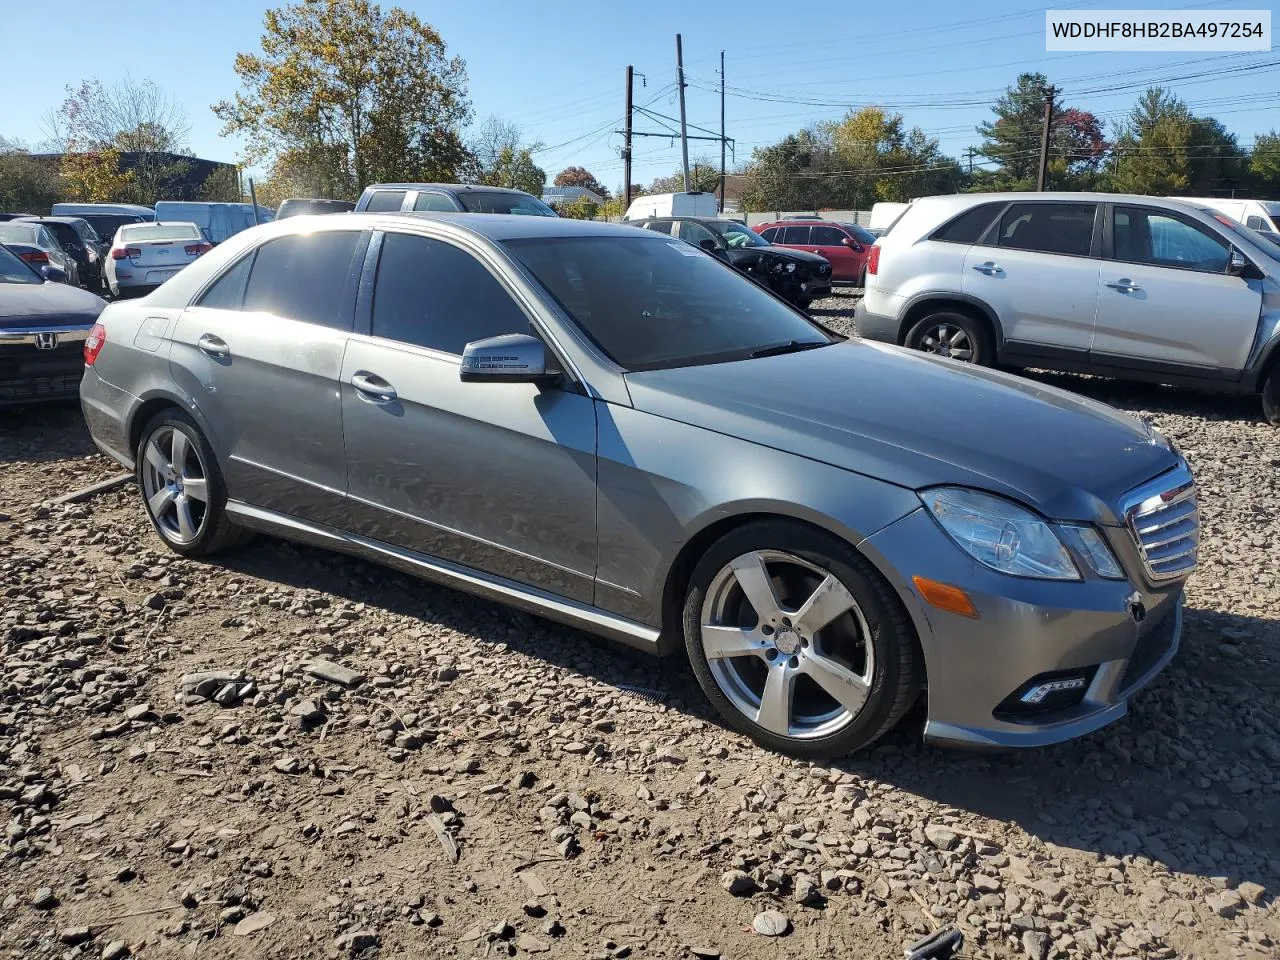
64, 233
432, 294
658, 226
385, 201
84, 231
434, 201
794, 236
227, 292
826, 236
303, 277
970, 225
1063, 228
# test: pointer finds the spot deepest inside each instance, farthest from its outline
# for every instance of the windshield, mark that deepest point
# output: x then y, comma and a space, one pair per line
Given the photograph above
651, 303
20, 233
737, 234
13, 270
133, 233
482, 201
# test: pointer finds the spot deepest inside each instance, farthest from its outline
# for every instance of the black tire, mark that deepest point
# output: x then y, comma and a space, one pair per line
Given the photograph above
981, 349
862, 279
1271, 396
803, 302
894, 676
213, 529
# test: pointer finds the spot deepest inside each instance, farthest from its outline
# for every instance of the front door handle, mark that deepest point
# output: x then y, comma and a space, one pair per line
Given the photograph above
373, 387
213, 346
1124, 285
989, 268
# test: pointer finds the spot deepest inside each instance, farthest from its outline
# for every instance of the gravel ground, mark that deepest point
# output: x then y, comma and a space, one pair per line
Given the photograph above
180, 776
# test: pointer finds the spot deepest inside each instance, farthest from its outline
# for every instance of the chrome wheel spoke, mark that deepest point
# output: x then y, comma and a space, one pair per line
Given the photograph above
160, 500
775, 702
753, 577
829, 601
156, 458
186, 523
961, 354
178, 451
959, 338
722, 643
197, 488
841, 684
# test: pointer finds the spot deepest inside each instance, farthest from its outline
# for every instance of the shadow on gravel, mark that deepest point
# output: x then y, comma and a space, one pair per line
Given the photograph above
1182, 780
44, 432
1154, 398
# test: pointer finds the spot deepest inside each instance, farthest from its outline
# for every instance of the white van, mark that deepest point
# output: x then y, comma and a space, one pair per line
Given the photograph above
700, 204
1260, 215
883, 214
217, 221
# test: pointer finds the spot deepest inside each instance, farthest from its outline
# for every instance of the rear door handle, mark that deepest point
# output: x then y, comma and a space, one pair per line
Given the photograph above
372, 387
1124, 285
213, 346
989, 268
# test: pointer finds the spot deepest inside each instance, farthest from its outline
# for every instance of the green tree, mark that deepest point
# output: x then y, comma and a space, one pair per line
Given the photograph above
1163, 148
223, 186
581, 177
1264, 164
27, 184
94, 176
351, 94
704, 175
501, 158
583, 208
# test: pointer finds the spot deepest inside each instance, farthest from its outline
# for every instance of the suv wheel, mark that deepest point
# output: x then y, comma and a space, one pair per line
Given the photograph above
182, 488
798, 642
957, 336
1271, 396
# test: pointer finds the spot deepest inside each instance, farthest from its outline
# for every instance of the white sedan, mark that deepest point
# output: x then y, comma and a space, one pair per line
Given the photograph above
145, 255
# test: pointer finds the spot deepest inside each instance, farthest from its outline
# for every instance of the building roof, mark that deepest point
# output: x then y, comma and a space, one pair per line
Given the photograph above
569, 194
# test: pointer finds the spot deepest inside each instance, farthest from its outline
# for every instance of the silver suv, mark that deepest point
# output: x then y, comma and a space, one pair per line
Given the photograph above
1141, 288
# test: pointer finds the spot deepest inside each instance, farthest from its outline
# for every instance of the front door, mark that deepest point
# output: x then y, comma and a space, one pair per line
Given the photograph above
1038, 270
1165, 296
260, 354
500, 477
833, 244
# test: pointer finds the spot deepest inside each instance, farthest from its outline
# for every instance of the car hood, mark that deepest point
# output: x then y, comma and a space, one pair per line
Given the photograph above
29, 303
919, 421
790, 253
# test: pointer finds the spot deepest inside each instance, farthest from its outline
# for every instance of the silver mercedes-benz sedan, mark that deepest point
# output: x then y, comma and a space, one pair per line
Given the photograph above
615, 430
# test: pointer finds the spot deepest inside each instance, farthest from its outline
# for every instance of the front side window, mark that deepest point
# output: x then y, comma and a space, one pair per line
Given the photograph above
385, 201
771, 235
736, 234
651, 303
437, 202
1148, 236
432, 294
1063, 228
303, 277
696, 233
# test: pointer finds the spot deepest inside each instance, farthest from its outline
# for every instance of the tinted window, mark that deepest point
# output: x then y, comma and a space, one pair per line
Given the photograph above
133, 233
481, 201
796, 236
696, 233
64, 233
970, 225
1257, 223
227, 292
1065, 228
1163, 240
826, 236
433, 294
651, 303
84, 231
303, 277
771, 234
13, 270
383, 201
106, 224
658, 226
434, 201
19, 233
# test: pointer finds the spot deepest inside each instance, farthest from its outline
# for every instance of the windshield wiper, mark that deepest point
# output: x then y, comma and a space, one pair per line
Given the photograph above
791, 346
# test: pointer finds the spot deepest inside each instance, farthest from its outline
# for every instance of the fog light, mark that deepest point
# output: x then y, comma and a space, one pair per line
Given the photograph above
1037, 694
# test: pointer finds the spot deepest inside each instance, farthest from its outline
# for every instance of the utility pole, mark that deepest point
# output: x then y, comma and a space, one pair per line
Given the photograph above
1043, 172
684, 135
722, 139
626, 145
969, 152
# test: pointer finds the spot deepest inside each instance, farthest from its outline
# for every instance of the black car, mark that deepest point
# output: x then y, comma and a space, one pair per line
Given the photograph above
43, 329
794, 275
80, 242
300, 206
449, 198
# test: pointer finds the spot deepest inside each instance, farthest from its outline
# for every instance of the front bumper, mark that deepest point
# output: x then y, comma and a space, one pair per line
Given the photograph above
1026, 629
39, 364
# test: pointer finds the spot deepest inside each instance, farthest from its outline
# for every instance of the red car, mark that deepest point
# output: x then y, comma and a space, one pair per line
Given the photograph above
846, 245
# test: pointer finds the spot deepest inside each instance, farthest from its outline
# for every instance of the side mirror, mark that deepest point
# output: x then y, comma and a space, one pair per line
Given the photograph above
1237, 264
510, 358
712, 248
852, 244
53, 273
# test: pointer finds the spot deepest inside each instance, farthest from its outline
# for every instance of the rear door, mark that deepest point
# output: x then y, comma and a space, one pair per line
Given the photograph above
1166, 298
261, 353
832, 243
500, 477
1037, 268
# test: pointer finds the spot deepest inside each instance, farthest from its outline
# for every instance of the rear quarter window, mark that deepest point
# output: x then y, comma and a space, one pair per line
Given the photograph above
968, 226
385, 201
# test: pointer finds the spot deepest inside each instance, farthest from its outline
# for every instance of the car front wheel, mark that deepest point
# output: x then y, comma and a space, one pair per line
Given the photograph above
798, 642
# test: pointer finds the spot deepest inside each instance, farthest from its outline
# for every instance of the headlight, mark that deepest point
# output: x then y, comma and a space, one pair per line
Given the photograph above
1089, 543
1000, 534
791, 268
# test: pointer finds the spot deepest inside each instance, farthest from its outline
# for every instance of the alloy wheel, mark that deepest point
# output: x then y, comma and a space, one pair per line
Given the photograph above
787, 644
175, 485
947, 340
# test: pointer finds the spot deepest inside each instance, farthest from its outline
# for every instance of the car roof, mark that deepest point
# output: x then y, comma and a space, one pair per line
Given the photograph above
457, 187
961, 201
62, 219
495, 227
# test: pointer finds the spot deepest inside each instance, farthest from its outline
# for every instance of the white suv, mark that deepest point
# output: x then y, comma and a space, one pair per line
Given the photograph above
1140, 288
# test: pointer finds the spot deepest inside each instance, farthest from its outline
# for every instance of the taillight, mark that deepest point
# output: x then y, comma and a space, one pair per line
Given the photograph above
124, 253
873, 261
195, 249
39, 256
94, 343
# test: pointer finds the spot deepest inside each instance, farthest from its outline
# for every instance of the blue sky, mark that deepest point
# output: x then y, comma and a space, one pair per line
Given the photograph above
556, 68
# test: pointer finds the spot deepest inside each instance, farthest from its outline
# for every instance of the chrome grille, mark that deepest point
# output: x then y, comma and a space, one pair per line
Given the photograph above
1166, 527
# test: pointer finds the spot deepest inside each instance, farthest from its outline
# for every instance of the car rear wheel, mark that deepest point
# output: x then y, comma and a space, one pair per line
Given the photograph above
182, 488
798, 642
1271, 396
957, 336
